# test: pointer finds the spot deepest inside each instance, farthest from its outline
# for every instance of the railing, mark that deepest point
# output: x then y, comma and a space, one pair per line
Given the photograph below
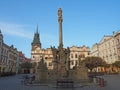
65, 83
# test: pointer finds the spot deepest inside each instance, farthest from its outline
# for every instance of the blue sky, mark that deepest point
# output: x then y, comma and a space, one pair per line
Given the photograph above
85, 22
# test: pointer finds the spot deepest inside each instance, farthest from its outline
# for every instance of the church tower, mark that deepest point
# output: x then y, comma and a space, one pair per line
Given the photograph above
36, 50
36, 40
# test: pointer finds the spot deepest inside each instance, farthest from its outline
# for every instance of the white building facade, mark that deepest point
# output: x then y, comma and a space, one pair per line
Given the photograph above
106, 49
117, 41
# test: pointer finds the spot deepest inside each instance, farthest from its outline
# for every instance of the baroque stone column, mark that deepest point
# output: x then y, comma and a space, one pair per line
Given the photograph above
60, 27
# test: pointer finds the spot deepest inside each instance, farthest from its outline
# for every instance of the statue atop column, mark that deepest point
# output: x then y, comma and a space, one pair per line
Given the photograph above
60, 15
61, 63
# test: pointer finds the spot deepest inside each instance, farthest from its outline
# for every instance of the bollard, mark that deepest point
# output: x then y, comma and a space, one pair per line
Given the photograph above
95, 80
101, 82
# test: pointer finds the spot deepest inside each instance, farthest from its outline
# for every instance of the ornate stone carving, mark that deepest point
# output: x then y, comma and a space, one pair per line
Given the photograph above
61, 62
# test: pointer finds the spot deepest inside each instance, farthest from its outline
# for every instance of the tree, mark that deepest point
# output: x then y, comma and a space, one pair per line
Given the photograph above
93, 62
117, 64
34, 64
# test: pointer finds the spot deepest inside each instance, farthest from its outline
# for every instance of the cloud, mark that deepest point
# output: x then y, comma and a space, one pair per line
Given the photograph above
15, 30
27, 31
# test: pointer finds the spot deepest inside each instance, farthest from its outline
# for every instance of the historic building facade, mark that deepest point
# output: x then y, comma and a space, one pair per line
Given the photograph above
8, 57
117, 41
48, 57
106, 49
37, 53
78, 53
22, 59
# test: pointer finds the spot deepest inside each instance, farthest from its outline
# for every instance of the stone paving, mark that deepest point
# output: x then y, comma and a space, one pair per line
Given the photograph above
14, 83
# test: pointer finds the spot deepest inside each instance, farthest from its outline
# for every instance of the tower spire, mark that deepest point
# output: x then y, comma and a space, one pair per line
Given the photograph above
37, 29
60, 19
36, 39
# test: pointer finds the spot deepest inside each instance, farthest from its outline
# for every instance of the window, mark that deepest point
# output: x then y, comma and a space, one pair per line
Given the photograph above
118, 40
113, 42
45, 64
71, 55
82, 55
75, 55
76, 62
88, 53
72, 62
50, 63
46, 57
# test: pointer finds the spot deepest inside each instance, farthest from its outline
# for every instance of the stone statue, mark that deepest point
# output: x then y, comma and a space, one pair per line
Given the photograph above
60, 15
60, 12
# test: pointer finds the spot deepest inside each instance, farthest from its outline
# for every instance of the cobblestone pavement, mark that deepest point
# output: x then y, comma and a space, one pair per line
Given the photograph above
14, 83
